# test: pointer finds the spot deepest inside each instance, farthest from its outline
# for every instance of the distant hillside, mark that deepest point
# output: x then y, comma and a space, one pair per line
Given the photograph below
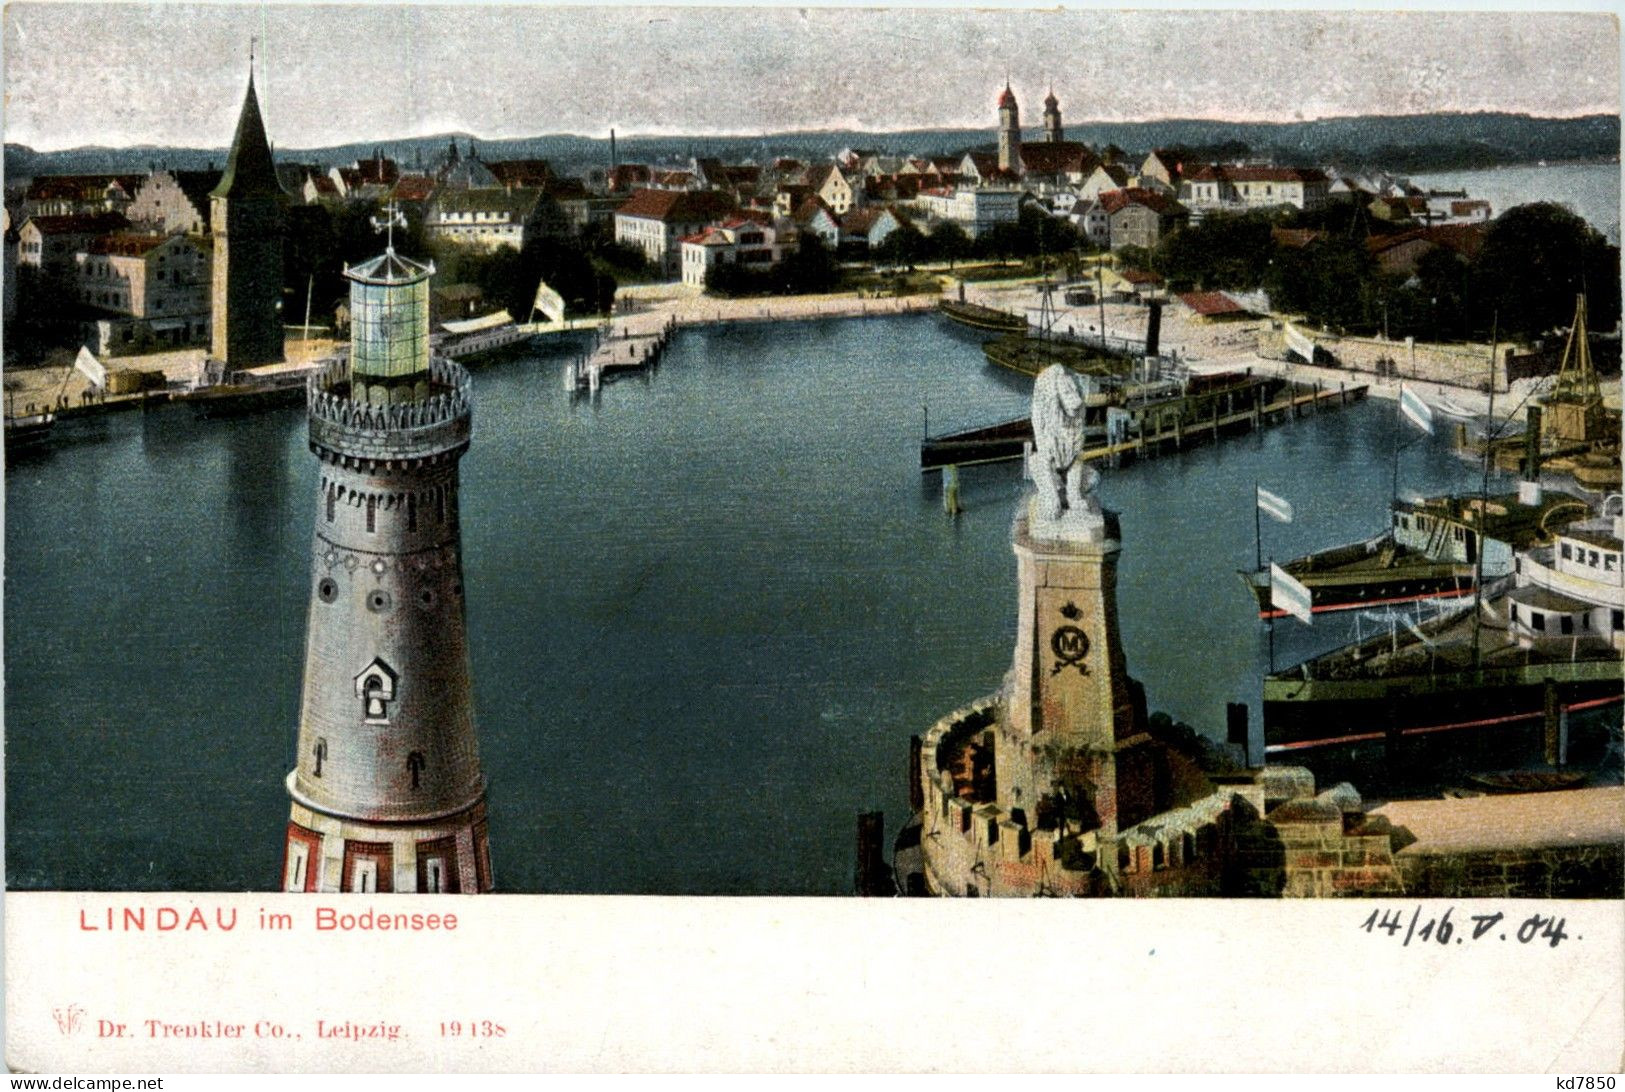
1400, 143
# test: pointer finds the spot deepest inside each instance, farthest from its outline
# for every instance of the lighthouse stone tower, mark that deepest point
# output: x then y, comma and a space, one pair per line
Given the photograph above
387, 789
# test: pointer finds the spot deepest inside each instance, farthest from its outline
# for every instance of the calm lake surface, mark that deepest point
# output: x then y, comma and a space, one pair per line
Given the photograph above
706, 611
1590, 190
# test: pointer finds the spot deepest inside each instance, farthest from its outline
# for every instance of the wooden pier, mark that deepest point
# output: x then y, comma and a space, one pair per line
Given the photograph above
628, 343
1152, 427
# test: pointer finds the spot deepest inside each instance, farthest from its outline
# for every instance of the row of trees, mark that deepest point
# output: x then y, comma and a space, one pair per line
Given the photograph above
810, 268
1034, 233
1533, 261
321, 239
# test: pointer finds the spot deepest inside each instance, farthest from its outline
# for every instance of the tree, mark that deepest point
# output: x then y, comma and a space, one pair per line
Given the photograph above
1535, 260
950, 243
1330, 281
809, 268
904, 246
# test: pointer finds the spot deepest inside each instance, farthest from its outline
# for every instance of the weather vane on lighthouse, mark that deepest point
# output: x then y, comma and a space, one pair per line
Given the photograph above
393, 216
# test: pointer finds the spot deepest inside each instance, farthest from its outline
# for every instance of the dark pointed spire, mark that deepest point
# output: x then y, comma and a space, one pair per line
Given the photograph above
250, 170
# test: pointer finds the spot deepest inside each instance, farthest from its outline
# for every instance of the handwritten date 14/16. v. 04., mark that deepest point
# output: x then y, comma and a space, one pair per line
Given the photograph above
1443, 931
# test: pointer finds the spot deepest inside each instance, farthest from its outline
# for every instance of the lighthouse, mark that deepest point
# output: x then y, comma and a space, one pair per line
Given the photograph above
387, 792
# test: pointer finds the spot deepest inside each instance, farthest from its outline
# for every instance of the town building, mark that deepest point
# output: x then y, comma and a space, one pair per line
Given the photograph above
49, 244
483, 218
656, 220
387, 793
869, 227
1161, 171
978, 210
748, 244
1141, 217
817, 219
368, 179
835, 188
246, 219
145, 290
1112, 177
79, 194
527, 173
174, 201
1221, 187
1091, 218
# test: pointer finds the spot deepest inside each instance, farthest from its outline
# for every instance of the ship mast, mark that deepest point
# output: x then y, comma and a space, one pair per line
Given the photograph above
1484, 507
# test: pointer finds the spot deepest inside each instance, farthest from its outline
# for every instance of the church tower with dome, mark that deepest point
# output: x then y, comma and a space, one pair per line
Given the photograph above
1009, 131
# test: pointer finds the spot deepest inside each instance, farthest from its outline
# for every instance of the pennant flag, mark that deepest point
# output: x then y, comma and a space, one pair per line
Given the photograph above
92, 369
1277, 508
1418, 411
1289, 595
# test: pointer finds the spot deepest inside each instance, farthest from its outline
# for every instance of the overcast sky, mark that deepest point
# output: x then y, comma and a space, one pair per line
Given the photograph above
169, 73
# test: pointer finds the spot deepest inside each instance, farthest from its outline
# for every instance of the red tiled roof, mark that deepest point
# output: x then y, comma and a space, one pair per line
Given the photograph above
1139, 276
79, 187
1465, 239
407, 188
860, 221
375, 172
128, 245
676, 206
94, 223
1114, 201
1211, 304
1057, 156
522, 172
811, 207
1464, 208
709, 237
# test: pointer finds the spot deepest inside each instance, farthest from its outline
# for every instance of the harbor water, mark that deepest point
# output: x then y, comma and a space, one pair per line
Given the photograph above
707, 608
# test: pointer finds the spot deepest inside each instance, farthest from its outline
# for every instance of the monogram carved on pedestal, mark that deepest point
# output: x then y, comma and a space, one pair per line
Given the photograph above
1069, 643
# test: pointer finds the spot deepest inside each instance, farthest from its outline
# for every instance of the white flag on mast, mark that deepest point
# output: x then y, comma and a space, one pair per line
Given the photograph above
1290, 595
1417, 411
91, 368
548, 302
1277, 508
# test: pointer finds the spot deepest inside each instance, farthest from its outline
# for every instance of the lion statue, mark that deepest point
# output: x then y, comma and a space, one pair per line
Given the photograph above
1063, 484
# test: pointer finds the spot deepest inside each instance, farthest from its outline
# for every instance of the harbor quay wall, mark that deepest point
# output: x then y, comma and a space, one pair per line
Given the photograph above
1262, 833
1594, 871
1466, 365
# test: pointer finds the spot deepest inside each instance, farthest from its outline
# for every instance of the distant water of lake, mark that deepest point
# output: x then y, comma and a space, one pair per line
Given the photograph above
1590, 190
